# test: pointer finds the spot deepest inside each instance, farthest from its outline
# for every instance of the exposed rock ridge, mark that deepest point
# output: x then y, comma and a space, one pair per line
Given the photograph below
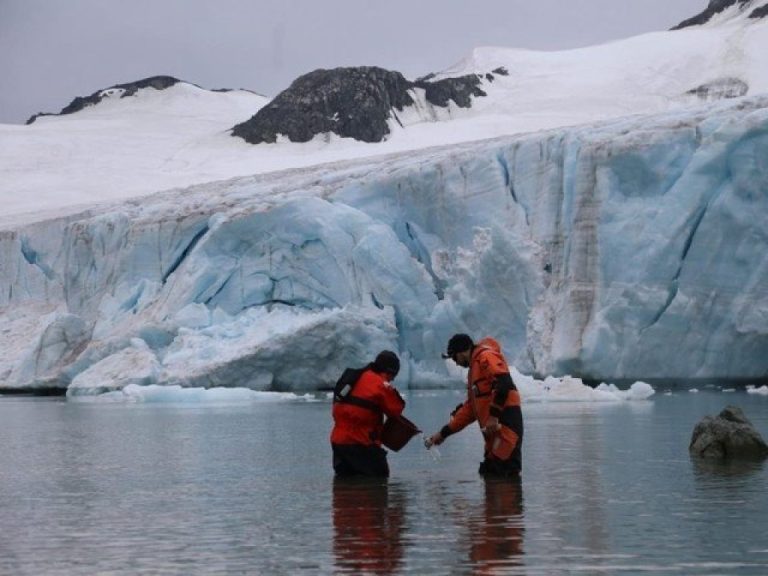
125, 90
717, 6
353, 102
720, 89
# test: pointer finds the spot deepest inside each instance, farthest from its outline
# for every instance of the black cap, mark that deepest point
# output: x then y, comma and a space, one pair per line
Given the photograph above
387, 361
458, 343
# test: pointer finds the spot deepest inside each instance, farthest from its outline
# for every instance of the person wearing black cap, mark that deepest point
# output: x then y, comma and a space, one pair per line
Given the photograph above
492, 400
361, 399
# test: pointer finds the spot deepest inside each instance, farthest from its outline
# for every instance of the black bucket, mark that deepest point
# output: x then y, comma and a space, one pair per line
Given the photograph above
397, 432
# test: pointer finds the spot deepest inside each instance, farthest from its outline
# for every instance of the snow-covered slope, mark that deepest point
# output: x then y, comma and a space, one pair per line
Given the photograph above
181, 136
615, 230
119, 148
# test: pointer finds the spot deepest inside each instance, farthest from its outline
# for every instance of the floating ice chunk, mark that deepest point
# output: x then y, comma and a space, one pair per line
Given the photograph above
177, 394
637, 391
762, 390
570, 389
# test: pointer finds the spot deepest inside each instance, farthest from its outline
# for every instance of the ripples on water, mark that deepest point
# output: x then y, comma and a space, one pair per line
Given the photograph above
248, 489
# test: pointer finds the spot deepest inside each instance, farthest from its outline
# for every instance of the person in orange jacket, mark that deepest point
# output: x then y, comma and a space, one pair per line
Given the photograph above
361, 400
492, 400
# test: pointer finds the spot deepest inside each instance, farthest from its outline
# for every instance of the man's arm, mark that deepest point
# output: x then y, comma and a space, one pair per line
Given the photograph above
462, 417
392, 403
502, 385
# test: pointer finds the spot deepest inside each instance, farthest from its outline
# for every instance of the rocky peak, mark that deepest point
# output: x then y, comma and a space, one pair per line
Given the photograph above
759, 9
347, 101
118, 90
353, 102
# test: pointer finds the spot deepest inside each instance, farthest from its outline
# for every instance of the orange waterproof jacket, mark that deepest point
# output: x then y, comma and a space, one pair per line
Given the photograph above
353, 424
490, 392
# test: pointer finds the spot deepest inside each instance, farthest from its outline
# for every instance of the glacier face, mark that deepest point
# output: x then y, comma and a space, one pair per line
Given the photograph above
633, 249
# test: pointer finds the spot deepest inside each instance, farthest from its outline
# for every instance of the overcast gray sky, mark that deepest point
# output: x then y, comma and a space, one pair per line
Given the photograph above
54, 50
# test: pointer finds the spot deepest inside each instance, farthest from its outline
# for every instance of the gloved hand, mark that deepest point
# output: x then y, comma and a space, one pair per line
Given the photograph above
491, 425
434, 440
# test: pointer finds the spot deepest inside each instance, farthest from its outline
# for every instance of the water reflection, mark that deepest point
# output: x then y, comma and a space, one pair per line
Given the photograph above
496, 530
715, 468
368, 521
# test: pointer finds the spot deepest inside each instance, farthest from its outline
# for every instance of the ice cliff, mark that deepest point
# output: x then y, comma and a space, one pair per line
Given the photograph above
631, 249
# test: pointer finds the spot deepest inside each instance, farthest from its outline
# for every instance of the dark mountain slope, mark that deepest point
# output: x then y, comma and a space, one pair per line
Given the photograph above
717, 6
354, 102
129, 89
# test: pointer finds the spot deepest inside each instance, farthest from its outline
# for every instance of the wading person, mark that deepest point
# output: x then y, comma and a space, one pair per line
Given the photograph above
492, 400
361, 399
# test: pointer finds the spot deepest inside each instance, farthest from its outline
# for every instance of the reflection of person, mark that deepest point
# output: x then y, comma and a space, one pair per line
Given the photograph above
492, 400
368, 521
496, 534
362, 399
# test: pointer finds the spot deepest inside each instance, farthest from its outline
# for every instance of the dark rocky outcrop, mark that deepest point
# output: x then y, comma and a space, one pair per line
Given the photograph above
727, 436
351, 102
717, 6
760, 12
460, 90
129, 89
720, 89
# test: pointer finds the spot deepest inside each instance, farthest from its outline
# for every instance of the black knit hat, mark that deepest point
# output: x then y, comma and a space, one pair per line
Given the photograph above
458, 343
387, 361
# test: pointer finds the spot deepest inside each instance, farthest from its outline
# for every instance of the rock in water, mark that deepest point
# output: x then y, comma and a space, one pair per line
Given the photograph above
727, 436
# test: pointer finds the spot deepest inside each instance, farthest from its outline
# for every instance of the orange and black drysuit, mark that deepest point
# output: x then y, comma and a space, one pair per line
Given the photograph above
358, 421
491, 392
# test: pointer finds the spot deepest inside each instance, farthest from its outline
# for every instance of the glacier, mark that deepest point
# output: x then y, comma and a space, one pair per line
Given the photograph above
632, 249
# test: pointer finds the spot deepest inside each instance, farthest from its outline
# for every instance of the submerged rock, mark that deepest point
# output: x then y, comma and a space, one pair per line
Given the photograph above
730, 435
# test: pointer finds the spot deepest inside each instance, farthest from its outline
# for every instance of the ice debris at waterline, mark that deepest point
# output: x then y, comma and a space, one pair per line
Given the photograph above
154, 393
566, 389
761, 390
570, 389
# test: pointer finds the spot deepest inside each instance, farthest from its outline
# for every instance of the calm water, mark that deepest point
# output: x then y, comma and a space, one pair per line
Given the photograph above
181, 489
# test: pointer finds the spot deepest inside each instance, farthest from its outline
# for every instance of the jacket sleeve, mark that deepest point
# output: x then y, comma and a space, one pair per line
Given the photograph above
502, 385
392, 403
462, 417
495, 369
